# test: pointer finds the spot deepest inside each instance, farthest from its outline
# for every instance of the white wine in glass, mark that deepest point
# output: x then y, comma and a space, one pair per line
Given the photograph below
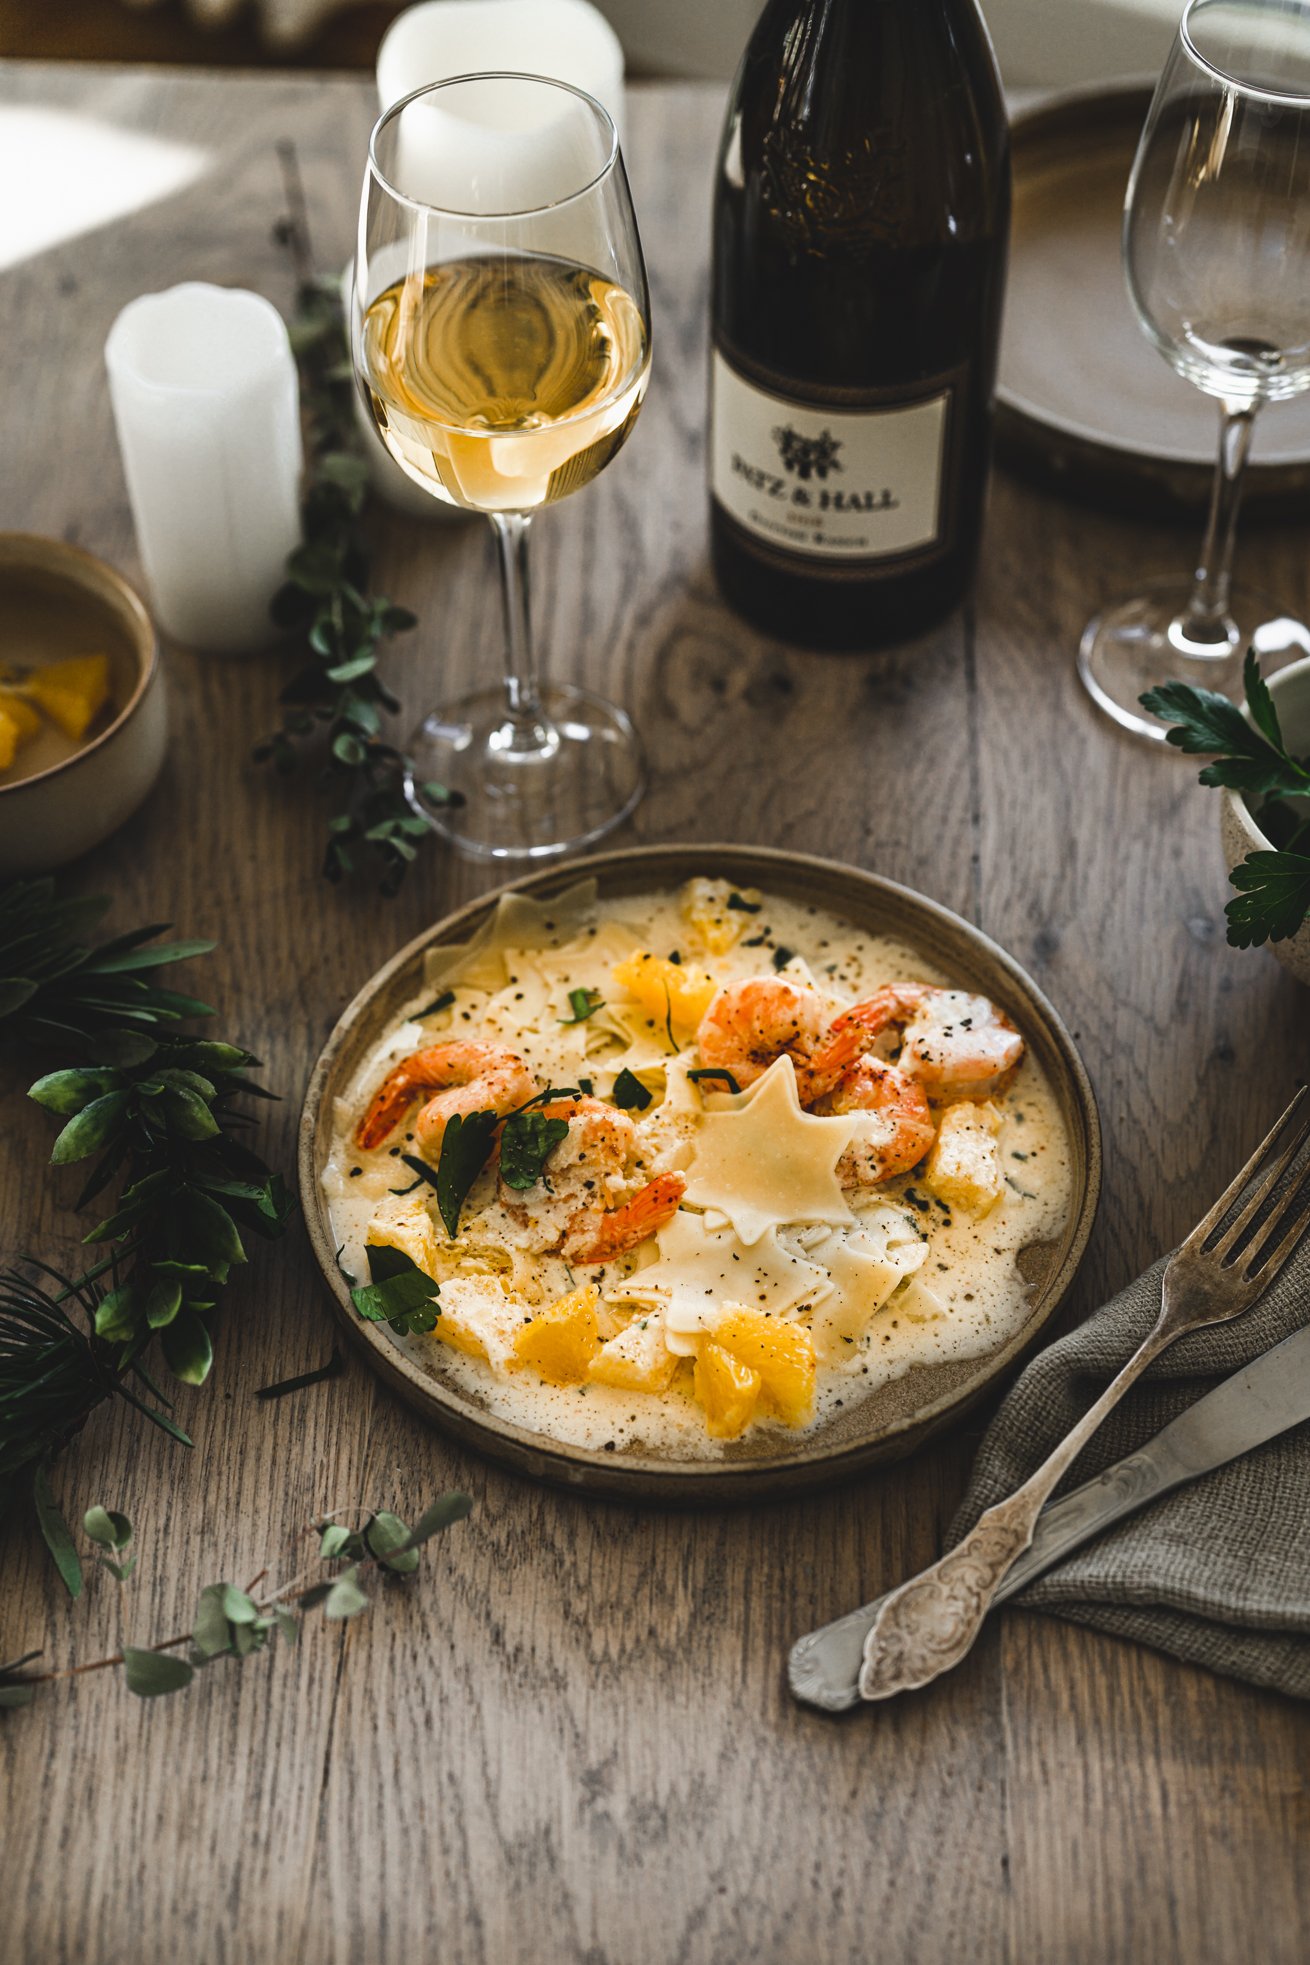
1217, 256
502, 338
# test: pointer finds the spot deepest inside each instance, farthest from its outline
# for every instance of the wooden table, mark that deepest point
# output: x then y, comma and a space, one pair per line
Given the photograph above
571, 1740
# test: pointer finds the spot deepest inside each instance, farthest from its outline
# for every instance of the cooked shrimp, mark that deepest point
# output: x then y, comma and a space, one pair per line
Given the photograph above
572, 1207
749, 1025
895, 1129
465, 1075
956, 1045
603, 1238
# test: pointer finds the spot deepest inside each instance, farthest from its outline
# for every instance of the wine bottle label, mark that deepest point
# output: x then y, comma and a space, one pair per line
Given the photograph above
842, 481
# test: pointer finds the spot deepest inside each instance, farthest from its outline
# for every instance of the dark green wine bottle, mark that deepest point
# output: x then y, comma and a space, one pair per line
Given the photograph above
861, 218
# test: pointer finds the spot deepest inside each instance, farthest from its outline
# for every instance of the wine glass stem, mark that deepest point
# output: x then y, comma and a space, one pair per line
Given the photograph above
527, 729
1212, 583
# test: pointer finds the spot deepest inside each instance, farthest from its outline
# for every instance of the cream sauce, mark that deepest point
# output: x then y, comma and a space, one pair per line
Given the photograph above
966, 1299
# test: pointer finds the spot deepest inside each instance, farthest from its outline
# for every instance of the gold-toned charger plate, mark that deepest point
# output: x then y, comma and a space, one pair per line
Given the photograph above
1084, 401
892, 1420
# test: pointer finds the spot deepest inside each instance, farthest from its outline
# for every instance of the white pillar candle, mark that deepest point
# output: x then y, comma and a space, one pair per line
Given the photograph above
206, 404
567, 40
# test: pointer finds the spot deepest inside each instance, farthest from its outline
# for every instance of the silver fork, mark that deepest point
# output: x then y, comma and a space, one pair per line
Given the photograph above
928, 1625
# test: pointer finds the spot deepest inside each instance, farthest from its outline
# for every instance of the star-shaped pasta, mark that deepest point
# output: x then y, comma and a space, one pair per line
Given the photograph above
764, 1162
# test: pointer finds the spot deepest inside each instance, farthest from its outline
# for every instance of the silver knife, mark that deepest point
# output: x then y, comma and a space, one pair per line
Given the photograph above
1254, 1405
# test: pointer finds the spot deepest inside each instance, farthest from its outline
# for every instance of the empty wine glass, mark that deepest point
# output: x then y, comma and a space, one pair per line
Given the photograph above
502, 339
1216, 247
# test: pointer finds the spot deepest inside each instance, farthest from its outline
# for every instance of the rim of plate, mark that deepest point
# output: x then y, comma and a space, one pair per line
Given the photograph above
59, 559
1028, 125
625, 1474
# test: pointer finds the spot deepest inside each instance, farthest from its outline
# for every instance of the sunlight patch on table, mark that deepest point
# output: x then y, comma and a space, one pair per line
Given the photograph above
71, 174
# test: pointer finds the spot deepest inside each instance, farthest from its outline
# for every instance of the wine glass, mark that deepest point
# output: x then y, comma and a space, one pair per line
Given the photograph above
1216, 246
502, 341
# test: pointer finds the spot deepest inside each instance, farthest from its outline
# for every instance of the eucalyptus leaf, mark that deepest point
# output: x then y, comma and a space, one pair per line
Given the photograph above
188, 1349
211, 1633
71, 1091
55, 1530
112, 961
443, 1513
107, 1527
163, 1301
345, 1598
86, 1133
151, 1674
188, 1114
210, 1228
238, 1608
334, 1540
116, 1314
389, 1540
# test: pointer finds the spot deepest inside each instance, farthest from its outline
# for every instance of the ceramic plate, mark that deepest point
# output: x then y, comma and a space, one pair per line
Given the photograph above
890, 1421
1083, 398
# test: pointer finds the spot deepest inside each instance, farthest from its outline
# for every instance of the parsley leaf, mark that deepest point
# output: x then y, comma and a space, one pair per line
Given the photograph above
1273, 898
584, 1003
1260, 702
438, 1004
465, 1149
399, 1294
1206, 723
630, 1095
742, 905
782, 955
528, 1138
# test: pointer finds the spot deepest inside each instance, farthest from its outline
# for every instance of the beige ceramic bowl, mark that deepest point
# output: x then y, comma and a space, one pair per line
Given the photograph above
1290, 689
890, 1421
55, 602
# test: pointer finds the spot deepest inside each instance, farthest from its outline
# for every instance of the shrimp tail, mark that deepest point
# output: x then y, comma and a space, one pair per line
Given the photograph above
387, 1108
649, 1210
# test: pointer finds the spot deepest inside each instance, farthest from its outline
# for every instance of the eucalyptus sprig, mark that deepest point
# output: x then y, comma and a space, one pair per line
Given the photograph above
158, 1108
234, 1623
160, 1116
1248, 755
332, 708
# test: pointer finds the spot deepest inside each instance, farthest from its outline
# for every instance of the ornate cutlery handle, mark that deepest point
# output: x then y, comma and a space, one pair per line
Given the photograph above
928, 1624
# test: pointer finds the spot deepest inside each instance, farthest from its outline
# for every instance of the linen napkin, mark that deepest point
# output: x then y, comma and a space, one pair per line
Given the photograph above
1217, 1572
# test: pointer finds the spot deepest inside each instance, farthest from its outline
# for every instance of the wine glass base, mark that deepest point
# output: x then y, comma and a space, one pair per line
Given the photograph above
513, 799
1138, 644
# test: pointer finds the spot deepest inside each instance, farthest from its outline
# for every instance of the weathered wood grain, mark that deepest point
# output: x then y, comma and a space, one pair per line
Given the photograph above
572, 1739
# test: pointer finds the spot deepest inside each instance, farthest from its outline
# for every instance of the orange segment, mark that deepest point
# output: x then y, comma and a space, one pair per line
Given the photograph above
10, 737
728, 1391
561, 1342
666, 989
637, 1360
782, 1354
21, 713
72, 693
